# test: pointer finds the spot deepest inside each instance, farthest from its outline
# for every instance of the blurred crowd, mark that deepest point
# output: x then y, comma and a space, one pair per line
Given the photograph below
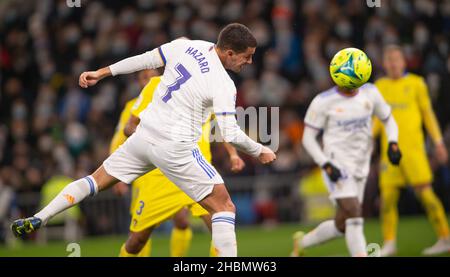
49, 125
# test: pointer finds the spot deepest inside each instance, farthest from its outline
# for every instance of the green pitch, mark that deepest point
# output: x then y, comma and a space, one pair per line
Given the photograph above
414, 234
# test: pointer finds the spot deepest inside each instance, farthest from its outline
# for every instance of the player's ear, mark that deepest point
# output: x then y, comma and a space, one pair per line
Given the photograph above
230, 52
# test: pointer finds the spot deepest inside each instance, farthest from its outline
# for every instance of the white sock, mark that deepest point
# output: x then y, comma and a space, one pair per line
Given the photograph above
354, 236
325, 231
72, 194
223, 234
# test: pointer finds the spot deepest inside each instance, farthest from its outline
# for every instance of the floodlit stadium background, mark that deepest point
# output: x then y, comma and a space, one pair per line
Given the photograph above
50, 127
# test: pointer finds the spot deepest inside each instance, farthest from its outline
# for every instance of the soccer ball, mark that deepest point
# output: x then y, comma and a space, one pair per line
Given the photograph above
350, 68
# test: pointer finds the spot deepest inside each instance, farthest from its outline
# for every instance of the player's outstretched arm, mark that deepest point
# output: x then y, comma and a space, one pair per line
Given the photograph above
90, 78
148, 60
232, 133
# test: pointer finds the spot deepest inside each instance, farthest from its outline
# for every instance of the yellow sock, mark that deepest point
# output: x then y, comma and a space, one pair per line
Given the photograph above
146, 251
124, 253
435, 212
212, 250
389, 212
180, 241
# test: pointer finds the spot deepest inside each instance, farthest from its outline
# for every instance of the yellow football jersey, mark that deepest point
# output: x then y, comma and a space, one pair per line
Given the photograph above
119, 137
411, 107
145, 97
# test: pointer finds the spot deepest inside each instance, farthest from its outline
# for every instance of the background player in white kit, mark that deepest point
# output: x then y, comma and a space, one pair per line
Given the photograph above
194, 80
345, 116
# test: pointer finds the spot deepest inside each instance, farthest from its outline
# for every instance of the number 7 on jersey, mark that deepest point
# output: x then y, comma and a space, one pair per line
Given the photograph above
184, 75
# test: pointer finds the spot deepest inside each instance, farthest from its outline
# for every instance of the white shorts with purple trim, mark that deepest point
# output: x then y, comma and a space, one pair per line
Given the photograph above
181, 162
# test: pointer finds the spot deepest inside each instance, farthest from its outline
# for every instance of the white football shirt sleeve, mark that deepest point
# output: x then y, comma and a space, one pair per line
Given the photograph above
149, 60
225, 110
315, 116
315, 120
381, 109
311, 145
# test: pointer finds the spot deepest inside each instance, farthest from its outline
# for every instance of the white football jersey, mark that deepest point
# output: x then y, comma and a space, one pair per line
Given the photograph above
194, 81
346, 122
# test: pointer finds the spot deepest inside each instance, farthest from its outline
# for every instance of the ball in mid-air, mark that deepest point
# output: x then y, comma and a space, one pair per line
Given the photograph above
350, 68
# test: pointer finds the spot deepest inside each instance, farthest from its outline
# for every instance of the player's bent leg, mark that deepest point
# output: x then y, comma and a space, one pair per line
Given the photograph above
136, 242
181, 219
71, 195
325, 231
434, 209
180, 239
436, 214
339, 220
218, 203
354, 226
145, 251
103, 179
207, 220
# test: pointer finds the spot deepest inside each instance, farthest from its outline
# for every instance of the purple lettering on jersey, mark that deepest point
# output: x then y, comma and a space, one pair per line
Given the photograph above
184, 75
189, 50
198, 56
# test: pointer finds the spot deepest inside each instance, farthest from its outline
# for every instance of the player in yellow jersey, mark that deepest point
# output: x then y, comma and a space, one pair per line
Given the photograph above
156, 199
408, 96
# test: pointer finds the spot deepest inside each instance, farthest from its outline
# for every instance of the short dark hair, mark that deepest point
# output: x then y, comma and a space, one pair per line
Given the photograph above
236, 37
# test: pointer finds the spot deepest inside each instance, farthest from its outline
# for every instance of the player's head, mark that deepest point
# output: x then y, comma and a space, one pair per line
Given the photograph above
394, 61
145, 75
237, 45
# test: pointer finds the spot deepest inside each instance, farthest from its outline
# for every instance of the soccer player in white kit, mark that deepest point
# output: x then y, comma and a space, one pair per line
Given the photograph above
345, 117
194, 80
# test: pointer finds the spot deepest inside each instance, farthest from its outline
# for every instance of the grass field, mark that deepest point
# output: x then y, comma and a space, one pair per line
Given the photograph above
414, 234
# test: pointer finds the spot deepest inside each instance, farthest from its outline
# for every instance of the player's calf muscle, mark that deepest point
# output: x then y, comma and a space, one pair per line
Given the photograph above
137, 240
103, 179
218, 200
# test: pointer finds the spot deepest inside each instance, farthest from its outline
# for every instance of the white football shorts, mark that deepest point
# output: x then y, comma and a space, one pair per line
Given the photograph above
181, 162
346, 187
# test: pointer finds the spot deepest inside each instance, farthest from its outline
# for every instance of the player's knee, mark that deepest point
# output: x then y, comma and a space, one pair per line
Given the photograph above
181, 220
340, 224
418, 190
354, 211
229, 206
225, 206
103, 179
